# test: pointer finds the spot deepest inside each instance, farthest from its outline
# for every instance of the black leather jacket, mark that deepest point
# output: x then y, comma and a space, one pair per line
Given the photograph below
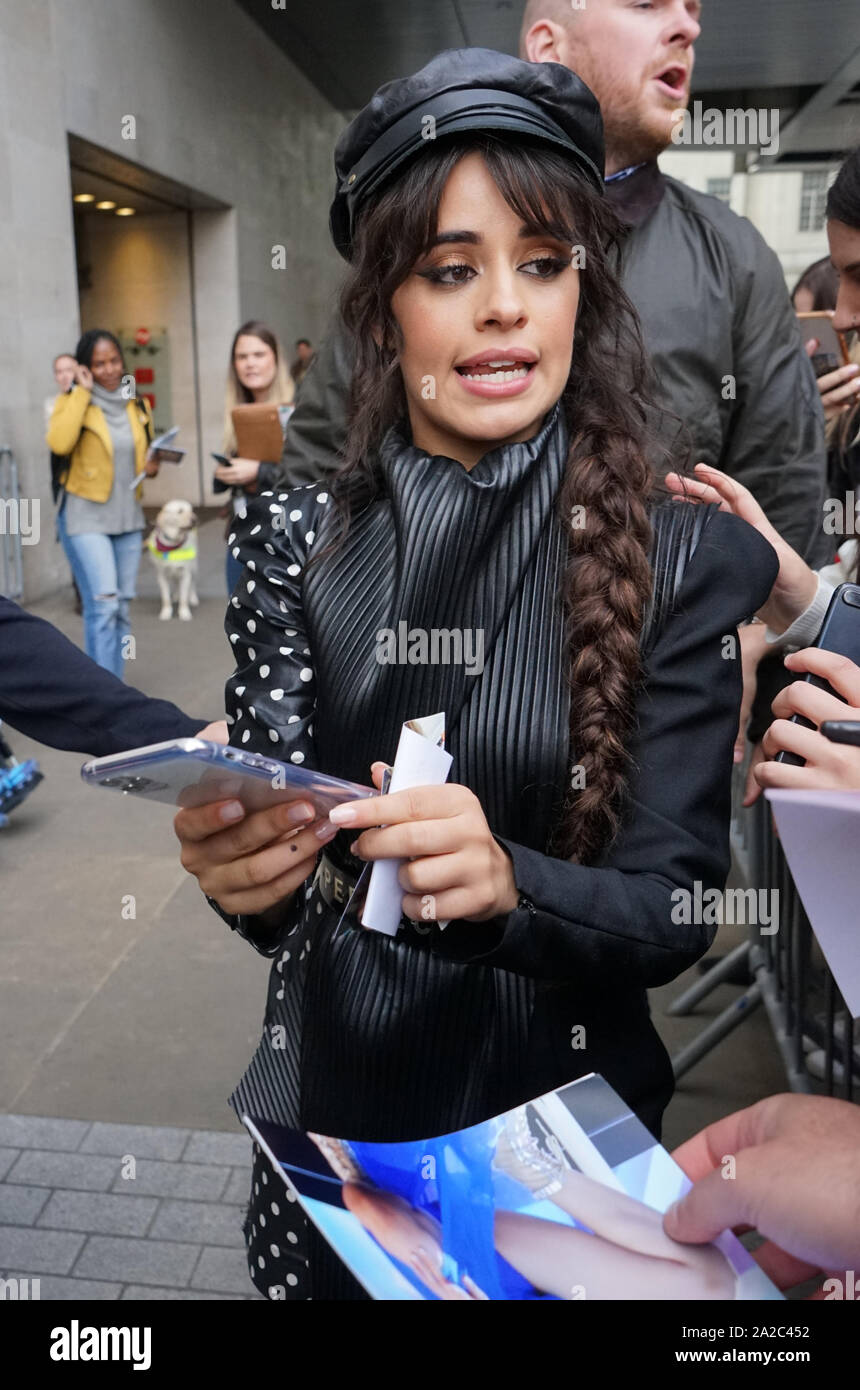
390, 1038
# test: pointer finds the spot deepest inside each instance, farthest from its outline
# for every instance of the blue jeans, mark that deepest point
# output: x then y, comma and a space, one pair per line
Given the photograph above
105, 568
62, 537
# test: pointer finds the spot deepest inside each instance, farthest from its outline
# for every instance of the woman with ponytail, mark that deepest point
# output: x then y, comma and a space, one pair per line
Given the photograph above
498, 485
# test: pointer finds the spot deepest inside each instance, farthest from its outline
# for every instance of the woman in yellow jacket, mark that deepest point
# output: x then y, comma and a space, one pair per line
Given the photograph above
106, 437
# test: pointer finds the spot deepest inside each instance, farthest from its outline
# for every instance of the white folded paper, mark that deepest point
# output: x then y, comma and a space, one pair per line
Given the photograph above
819, 832
421, 761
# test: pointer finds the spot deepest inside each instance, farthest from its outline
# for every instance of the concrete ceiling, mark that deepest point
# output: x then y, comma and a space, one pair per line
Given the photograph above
802, 56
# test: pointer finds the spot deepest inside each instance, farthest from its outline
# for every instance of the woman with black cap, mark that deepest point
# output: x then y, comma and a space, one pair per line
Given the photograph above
497, 482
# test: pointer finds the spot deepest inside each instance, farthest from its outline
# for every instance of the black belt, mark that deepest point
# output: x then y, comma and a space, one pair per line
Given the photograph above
334, 883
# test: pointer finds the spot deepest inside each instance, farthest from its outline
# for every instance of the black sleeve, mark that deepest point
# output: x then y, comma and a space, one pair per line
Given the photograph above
271, 696
267, 476
776, 446
628, 918
52, 692
316, 430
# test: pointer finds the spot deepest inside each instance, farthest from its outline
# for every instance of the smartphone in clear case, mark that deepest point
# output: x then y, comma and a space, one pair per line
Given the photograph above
194, 772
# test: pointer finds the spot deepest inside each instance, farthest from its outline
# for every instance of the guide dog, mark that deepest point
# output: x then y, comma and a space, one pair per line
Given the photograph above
172, 546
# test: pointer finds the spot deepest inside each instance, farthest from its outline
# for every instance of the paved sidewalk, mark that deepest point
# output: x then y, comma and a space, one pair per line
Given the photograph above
115, 1212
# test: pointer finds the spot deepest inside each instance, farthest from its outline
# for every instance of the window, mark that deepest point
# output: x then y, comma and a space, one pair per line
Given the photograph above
813, 198
720, 188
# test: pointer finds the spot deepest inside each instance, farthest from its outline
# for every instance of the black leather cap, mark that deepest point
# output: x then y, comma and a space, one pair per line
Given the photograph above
463, 89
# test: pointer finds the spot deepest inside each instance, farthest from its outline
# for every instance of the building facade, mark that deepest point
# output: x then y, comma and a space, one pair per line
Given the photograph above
188, 115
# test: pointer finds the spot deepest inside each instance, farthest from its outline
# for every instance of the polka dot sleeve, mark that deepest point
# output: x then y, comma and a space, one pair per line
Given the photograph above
270, 697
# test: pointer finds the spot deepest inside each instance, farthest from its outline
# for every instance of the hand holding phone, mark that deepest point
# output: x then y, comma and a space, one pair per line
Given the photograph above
840, 634
218, 485
251, 863
830, 348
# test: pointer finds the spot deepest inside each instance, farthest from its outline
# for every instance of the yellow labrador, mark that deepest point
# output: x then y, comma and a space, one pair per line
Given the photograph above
172, 546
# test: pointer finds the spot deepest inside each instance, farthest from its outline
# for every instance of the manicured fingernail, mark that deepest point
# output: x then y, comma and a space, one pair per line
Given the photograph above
300, 812
343, 815
234, 810
325, 832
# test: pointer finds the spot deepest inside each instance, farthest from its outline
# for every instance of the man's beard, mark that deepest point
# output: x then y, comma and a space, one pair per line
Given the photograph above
630, 137
632, 140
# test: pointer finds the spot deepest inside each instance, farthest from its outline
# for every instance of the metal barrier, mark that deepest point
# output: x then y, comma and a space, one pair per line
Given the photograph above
810, 1022
11, 568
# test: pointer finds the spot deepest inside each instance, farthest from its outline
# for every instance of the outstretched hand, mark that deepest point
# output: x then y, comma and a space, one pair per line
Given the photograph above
793, 1177
796, 584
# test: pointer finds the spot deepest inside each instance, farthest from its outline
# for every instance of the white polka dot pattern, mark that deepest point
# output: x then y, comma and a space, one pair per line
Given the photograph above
273, 541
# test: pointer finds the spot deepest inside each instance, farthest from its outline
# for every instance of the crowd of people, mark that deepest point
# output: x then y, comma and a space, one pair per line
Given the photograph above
578, 485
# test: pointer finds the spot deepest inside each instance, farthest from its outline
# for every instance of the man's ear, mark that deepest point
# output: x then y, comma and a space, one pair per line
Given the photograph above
544, 42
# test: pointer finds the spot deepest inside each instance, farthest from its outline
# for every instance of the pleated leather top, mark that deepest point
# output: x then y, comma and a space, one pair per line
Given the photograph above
367, 1035
476, 553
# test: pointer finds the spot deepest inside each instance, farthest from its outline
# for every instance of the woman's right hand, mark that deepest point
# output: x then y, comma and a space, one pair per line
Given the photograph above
796, 584
250, 861
83, 376
839, 390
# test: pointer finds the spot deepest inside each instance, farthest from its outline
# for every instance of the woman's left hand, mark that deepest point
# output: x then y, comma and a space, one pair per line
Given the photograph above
239, 472
796, 584
829, 766
151, 464
455, 870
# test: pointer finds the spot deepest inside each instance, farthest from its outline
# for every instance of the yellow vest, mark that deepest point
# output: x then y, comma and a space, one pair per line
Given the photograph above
171, 557
79, 429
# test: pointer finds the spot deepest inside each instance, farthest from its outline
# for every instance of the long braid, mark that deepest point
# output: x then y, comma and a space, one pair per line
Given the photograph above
606, 586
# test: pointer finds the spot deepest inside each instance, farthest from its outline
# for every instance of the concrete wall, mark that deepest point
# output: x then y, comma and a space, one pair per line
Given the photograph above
141, 274
218, 108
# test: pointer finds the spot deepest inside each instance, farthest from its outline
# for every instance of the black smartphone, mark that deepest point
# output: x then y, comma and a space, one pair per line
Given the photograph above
840, 633
217, 484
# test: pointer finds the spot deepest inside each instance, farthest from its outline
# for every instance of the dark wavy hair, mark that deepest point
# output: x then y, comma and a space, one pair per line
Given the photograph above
843, 198
609, 468
87, 345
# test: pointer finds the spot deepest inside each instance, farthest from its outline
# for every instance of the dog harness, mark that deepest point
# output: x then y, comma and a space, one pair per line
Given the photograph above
170, 555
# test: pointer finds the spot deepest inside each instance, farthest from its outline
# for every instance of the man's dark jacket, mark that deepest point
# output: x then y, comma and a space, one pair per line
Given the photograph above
724, 344
55, 694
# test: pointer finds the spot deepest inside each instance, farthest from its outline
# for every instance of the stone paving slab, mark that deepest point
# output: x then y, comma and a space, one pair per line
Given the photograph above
141, 1141
72, 1216
223, 1271
99, 1212
38, 1252
211, 1147
141, 1292
19, 1205
238, 1188
84, 1173
54, 1287
7, 1158
195, 1181
34, 1132
212, 1223
137, 1261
